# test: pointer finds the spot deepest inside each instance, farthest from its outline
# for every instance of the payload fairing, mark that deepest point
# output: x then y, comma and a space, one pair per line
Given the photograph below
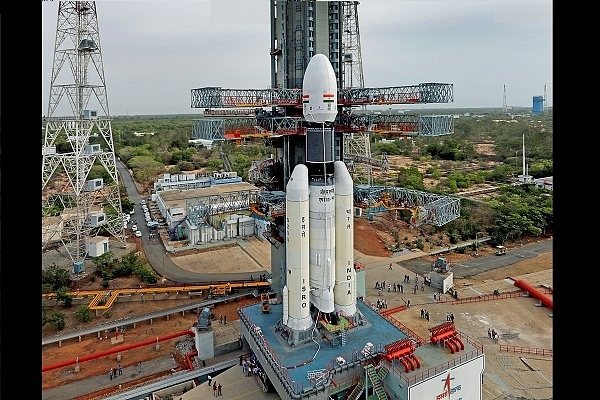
319, 221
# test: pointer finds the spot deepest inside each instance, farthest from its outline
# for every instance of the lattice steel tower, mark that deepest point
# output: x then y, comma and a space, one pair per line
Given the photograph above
79, 176
353, 69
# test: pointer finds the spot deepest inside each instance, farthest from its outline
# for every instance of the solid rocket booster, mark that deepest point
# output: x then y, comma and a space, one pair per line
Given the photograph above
297, 250
345, 288
319, 102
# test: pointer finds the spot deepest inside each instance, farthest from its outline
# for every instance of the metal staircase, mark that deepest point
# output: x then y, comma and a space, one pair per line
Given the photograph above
383, 371
374, 377
344, 335
357, 391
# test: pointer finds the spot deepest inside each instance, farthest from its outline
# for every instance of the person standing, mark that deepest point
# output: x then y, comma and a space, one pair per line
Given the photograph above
224, 319
120, 370
209, 380
140, 366
111, 374
219, 390
390, 265
215, 389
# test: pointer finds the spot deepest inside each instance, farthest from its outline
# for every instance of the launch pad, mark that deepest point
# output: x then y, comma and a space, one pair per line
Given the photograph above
294, 363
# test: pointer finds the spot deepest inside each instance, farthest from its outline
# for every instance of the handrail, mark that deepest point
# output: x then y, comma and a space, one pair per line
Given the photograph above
526, 350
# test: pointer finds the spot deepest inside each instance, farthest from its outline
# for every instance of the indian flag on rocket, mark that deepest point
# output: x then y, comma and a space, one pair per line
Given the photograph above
328, 97
305, 98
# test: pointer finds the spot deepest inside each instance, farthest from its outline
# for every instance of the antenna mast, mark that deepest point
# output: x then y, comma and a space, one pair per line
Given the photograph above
504, 105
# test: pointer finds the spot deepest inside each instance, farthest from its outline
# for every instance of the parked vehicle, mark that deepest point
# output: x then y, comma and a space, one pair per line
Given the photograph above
138, 234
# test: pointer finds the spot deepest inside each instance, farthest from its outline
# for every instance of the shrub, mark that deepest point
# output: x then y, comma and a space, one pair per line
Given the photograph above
82, 313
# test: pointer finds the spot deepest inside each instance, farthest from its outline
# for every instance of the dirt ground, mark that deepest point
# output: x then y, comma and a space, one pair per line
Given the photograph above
371, 238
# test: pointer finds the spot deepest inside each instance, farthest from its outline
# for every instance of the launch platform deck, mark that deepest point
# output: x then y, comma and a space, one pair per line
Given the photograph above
309, 359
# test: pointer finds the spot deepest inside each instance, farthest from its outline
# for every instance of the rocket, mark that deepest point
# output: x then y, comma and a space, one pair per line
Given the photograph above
319, 221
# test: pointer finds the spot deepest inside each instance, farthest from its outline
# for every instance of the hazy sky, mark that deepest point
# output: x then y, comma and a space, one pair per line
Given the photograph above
155, 52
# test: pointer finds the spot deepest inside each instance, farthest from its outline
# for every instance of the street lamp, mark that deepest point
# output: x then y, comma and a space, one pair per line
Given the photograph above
476, 242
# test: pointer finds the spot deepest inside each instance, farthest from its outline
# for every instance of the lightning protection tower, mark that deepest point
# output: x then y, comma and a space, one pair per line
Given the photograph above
353, 70
80, 186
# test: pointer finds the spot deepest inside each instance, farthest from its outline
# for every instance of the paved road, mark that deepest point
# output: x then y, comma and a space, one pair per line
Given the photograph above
479, 265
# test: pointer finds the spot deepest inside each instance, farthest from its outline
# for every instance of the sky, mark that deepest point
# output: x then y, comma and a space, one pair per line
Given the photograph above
155, 52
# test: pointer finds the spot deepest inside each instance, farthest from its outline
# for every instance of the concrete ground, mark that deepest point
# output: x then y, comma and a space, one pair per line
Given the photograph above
520, 323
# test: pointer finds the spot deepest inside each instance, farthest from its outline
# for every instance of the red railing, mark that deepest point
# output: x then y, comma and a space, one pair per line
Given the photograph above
488, 297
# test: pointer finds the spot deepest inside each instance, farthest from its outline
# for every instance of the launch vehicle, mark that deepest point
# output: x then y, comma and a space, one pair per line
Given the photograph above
319, 227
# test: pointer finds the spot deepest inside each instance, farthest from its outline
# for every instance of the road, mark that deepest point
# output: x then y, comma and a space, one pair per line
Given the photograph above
475, 266
154, 249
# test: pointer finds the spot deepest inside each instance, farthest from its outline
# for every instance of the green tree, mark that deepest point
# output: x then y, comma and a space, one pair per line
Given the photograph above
62, 294
104, 264
57, 320
410, 178
145, 168
83, 313
55, 276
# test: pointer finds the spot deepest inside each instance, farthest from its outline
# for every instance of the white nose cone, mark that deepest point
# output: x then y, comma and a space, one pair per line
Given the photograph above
319, 91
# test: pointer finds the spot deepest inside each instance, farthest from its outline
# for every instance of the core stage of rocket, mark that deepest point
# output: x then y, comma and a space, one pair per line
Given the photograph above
319, 221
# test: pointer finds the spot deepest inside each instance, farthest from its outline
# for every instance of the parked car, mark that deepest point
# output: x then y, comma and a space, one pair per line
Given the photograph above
134, 228
138, 234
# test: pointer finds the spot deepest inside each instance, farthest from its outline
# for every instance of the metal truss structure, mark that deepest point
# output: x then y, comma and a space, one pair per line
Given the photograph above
74, 144
357, 152
428, 208
352, 76
215, 97
200, 209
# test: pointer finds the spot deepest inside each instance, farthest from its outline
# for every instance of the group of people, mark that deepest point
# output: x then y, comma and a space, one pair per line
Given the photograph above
217, 389
380, 285
425, 314
251, 367
450, 317
261, 277
222, 318
114, 372
216, 386
492, 334
382, 303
